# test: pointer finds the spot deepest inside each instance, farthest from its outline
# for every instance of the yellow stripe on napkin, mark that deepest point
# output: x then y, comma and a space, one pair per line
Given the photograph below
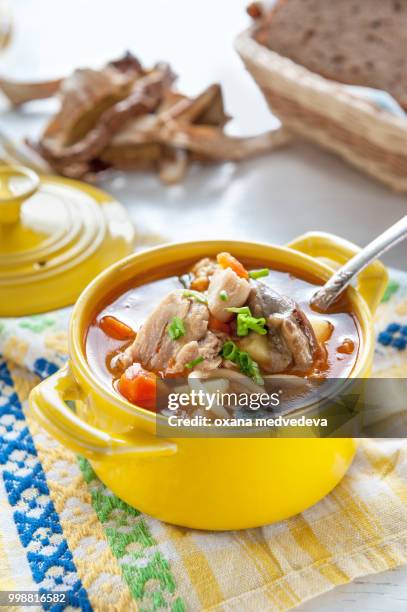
359, 529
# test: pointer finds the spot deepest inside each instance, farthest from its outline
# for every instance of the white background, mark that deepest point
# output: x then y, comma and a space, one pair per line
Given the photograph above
273, 198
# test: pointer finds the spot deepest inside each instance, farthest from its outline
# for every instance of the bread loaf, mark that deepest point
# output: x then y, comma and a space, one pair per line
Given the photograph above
358, 42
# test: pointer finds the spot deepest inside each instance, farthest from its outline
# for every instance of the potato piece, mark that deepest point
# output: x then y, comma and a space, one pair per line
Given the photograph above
322, 328
257, 346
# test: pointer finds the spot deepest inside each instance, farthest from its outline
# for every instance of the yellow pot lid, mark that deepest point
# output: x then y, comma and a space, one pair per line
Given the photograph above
56, 235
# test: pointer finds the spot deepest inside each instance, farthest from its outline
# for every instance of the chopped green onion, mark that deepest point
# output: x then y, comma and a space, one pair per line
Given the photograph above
242, 310
230, 351
249, 367
246, 364
194, 362
176, 329
255, 373
244, 361
246, 321
224, 295
259, 273
195, 295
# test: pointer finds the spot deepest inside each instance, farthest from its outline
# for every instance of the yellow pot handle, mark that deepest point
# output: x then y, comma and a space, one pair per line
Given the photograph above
331, 249
47, 405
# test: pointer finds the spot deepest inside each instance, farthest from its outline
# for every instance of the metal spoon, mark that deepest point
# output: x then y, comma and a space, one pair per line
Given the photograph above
327, 295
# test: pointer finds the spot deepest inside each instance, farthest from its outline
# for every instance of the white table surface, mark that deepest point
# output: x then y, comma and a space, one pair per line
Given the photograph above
274, 198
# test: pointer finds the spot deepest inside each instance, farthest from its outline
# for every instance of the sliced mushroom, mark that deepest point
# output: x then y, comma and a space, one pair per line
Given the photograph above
216, 145
126, 117
173, 165
207, 108
20, 93
144, 97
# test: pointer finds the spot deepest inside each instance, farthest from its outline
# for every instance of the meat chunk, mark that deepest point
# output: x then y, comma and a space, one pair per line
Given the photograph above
264, 302
281, 356
205, 267
301, 339
209, 348
186, 354
155, 349
237, 291
202, 272
291, 339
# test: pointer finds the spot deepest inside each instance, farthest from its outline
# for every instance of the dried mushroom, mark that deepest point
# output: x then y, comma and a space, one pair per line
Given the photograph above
87, 94
143, 96
212, 143
129, 118
20, 93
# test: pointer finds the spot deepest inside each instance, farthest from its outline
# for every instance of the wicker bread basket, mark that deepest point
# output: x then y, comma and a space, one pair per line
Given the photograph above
325, 112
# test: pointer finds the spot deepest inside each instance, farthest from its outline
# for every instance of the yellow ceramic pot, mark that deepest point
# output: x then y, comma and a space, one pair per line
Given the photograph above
205, 483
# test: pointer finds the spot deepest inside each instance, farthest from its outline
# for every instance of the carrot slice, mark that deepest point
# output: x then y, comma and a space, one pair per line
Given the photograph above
226, 260
116, 329
139, 386
218, 326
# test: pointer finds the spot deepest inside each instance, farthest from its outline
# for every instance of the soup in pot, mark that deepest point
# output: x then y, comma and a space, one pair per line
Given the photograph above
219, 318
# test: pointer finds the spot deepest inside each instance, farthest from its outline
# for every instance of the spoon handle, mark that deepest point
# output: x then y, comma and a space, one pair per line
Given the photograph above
327, 295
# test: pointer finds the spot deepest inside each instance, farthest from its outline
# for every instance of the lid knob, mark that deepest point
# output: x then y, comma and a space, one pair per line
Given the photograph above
17, 184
